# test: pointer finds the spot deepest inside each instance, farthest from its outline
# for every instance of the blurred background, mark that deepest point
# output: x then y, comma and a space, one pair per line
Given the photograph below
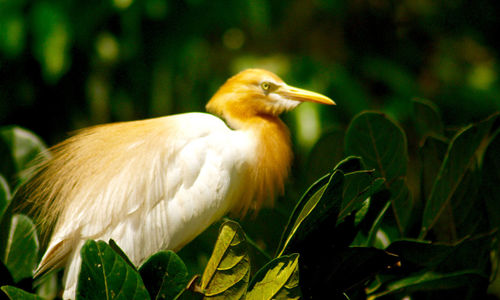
66, 65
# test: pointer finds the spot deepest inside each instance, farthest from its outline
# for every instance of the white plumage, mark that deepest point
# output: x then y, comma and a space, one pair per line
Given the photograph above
156, 184
188, 184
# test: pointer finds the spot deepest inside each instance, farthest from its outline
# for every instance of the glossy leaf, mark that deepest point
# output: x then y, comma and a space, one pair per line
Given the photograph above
18, 147
426, 118
279, 279
380, 142
460, 156
164, 274
15, 293
105, 275
21, 251
228, 271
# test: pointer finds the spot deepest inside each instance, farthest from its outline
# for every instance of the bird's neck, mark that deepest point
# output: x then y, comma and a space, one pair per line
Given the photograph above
269, 168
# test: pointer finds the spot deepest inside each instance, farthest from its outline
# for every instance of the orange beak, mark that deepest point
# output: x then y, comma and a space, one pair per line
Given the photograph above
297, 94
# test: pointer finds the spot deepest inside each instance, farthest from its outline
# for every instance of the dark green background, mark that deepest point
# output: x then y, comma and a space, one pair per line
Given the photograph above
66, 65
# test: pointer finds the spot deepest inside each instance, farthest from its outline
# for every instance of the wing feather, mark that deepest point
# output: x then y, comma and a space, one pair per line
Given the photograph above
155, 180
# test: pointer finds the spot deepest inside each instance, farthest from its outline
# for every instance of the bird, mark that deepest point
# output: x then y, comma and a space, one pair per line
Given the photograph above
156, 184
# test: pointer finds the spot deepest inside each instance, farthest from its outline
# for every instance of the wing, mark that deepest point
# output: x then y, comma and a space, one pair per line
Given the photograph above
148, 184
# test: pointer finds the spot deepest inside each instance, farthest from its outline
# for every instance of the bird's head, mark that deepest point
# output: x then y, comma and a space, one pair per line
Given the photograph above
257, 92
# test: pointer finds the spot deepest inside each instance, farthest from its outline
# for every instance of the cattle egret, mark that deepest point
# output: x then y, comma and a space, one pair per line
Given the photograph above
156, 184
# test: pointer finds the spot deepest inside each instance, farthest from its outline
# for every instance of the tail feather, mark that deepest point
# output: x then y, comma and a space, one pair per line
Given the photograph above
54, 258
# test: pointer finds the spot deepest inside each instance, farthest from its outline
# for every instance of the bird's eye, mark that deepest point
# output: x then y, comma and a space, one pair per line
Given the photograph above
266, 86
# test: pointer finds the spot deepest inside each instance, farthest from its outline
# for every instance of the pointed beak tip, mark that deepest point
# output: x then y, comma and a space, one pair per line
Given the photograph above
305, 95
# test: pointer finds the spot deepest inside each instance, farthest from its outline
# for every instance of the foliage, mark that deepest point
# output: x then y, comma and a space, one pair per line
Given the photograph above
387, 221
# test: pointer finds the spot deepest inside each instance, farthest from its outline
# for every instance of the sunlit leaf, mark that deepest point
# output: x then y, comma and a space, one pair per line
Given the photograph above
164, 274
279, 279
105, 275
380, 142
15, 293
21, 252
228, 271
461, 155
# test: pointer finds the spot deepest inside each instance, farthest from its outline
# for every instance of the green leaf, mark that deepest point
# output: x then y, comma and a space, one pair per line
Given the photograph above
164, 274
191, 291
380, 142
402, 203
428, 281
279, 279
228, 270
291, 227
372, 234
421, 253
350, 164
358, 186
491, 180
431, 155
21, 252
344, 270
15, 293
120, 252
105, 275
370, 225
426, 118
490, 187
461, 155
318, 204
18, 148
466, 212
5, 195
467, 254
